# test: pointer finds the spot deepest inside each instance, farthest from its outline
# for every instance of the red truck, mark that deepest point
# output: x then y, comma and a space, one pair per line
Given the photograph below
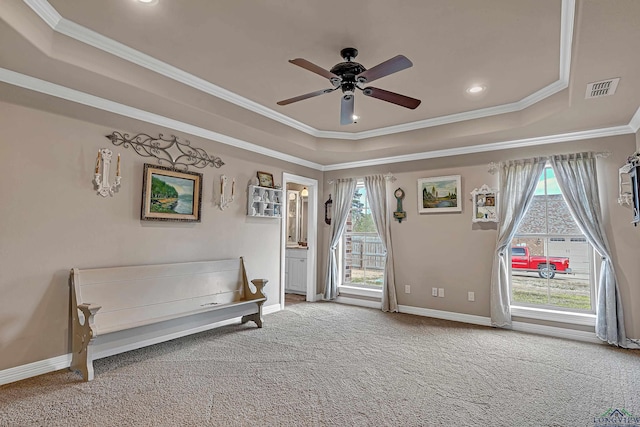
547, 267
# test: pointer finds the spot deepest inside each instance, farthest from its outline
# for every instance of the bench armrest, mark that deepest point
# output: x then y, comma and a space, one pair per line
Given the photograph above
259, 284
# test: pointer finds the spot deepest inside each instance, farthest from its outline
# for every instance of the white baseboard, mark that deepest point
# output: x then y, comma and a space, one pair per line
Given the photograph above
41, 367
446, 315
34, 369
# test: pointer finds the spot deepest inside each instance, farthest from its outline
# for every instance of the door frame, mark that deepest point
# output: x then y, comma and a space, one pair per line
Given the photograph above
312, 234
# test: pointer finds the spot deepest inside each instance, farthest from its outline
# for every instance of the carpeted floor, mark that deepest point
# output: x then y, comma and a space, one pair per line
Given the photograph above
326, 364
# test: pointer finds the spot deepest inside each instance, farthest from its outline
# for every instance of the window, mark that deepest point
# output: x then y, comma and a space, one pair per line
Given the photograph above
363, 255
551, 261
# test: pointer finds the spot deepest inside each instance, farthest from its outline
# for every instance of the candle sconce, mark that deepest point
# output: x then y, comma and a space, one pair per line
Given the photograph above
101, 178
224, 200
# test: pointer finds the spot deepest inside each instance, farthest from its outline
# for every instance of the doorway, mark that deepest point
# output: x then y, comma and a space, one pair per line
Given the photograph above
299, 236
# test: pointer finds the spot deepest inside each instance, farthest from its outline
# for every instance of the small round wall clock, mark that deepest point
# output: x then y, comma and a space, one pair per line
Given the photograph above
399, 214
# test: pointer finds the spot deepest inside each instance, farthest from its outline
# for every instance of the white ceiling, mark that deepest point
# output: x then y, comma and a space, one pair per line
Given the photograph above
219, 67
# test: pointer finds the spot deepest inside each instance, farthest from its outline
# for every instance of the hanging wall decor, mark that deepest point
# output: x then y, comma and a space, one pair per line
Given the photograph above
399, 214
161, 148
170, 195
101, 176
439, 194
225, 199
327, 210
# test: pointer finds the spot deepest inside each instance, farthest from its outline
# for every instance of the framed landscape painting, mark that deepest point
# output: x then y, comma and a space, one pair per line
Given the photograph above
170, 195
439, 194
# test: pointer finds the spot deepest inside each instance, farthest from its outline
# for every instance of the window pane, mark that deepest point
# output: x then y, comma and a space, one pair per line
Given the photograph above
364, 256
551, 259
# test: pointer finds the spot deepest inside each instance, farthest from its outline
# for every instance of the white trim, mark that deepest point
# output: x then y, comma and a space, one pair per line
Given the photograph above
586, 319
34, 369
359, 302
634, 123
312, 234
42, 86
52, 89
45, 11
85, 35
446, 315
46, 366
553, 331
516, 326
361, 292
494, 146
69, 28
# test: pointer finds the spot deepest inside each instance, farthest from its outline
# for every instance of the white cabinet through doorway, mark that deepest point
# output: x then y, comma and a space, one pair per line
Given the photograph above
296, 271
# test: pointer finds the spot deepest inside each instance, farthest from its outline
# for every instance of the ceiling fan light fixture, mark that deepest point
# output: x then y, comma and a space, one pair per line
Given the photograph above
349, 76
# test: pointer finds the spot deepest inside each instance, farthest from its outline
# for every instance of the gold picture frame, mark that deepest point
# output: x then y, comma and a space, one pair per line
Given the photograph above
171, 195
265, 179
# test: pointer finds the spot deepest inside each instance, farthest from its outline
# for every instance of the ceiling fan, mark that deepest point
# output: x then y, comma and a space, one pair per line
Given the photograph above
349, 76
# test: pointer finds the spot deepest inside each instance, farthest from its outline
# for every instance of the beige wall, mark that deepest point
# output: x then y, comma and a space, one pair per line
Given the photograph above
53, 220
449, 251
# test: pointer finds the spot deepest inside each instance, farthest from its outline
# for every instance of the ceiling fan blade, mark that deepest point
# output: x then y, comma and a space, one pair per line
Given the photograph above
394, 98
305, 96
390, 66
346, 109
313, 68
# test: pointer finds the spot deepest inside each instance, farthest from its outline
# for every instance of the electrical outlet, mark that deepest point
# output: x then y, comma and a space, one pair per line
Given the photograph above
434, 292
407, 289
471, 296
441, 292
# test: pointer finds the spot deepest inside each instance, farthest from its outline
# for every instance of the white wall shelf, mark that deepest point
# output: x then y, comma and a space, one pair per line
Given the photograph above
484, 201
264, 202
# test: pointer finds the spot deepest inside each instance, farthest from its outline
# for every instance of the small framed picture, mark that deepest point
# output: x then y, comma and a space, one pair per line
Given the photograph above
439, 194
265, 179
170, 195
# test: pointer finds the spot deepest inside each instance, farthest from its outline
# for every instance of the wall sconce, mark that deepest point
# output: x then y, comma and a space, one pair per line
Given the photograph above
101, 178
327, 210
226, 201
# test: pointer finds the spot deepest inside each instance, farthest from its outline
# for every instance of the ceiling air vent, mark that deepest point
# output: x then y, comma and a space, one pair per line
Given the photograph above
603, 88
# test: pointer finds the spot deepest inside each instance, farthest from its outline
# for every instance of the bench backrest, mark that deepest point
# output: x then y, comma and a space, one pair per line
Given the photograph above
140, 295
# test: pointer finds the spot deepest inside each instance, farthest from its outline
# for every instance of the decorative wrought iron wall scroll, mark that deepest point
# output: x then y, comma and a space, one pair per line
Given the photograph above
161, 147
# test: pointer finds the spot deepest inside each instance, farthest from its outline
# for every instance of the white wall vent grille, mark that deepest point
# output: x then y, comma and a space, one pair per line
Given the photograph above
602, 88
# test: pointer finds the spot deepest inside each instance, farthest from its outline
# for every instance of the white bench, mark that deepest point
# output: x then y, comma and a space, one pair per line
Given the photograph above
123, 308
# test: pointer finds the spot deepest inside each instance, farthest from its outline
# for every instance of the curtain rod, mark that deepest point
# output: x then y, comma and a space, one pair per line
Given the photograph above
494, 166
389, 177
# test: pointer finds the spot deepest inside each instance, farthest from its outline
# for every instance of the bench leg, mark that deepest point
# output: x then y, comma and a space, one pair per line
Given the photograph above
82, 351
82, 362
255, 317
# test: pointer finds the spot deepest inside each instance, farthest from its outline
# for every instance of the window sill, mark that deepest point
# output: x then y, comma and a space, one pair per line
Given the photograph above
361, 292
586, 319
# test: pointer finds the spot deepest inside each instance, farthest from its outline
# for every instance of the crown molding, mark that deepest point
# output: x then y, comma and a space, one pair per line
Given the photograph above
495, 146
69, 28
45, 11
634, 123
62, 92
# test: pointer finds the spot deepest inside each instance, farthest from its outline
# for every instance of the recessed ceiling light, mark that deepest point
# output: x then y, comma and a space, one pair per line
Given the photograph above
476, 89
148, 1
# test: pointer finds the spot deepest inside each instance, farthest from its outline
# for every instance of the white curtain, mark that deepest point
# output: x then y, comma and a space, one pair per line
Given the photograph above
577, 178
518, 180
343, 190
376, 187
